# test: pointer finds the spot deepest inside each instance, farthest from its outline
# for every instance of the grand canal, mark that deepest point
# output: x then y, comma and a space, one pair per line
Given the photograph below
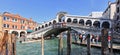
51, 48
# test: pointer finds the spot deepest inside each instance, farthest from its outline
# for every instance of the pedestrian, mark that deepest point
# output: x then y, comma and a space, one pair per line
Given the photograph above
80, 37
83, 38
109, 39
93, 39
97, 38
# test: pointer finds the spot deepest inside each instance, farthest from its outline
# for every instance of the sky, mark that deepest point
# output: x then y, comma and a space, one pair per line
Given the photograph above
45, 10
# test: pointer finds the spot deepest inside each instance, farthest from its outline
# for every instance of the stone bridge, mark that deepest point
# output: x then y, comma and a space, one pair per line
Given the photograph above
87, 24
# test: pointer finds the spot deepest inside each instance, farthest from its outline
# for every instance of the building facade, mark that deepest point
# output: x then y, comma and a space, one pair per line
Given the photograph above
17, 24
110, 11
117, 17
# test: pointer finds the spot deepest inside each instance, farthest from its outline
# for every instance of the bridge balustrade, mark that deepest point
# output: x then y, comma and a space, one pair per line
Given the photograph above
59, 25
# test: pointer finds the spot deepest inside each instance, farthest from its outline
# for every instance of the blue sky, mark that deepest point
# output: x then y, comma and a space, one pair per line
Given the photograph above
45, 10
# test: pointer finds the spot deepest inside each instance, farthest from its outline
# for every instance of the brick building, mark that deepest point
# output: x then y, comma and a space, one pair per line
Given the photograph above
17, 24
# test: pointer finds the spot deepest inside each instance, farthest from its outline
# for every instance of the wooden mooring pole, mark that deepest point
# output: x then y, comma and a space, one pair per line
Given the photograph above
42, 45
88, 45
104, 46
68, 42
60, 45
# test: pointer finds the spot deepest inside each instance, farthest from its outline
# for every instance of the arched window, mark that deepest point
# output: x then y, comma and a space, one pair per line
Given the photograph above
50, 23
81, 22
46, 25
35, 29
88, 22
75, 21
54, 21
68, 20
42, 26
105, 24
38, 28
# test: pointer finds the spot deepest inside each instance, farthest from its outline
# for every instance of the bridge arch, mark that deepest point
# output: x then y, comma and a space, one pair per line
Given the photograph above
96, 24
81, 22
69, 20
61, 16
105, 24
88, 23
75, 21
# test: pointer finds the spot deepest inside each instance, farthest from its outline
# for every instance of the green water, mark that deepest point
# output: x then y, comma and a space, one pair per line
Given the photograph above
51, 48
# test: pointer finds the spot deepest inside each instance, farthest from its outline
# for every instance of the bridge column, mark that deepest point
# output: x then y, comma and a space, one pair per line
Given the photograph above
68, 42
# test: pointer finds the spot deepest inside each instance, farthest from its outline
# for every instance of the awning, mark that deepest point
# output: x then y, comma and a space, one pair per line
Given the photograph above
29, 30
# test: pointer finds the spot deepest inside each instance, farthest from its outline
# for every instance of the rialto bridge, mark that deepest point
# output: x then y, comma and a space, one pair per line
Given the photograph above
80, 24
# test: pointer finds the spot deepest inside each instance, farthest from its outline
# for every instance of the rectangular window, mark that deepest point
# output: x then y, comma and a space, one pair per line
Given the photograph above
6, 26
22, 21
14, 20
6, 18
13, 26
22, 27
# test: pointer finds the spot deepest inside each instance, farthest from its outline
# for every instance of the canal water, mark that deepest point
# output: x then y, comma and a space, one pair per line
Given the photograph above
51, 48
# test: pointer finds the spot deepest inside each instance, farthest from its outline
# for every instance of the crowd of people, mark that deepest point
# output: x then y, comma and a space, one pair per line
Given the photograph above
94, 39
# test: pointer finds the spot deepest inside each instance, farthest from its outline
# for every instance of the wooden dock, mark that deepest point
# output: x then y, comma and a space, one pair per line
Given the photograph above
115, 48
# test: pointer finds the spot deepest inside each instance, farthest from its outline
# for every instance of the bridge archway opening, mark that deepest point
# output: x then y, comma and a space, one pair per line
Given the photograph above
50, 23
42, 26
88, 23
54, 22
69, 20
75, 21
46, 25
96, 24
61, 18
15, 32
105, 24
81, 22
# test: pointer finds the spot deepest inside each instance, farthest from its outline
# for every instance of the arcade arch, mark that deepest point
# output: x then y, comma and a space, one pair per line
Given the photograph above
69, 20
81, 22
105, 24
88, 23
75, 21
96, 24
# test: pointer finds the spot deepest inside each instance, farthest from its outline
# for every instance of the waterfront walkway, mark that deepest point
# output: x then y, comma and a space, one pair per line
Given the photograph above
115, 47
